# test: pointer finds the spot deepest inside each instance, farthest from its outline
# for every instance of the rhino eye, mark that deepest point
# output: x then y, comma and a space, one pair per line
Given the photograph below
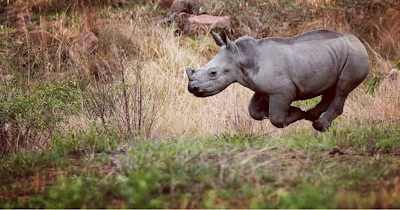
213, 73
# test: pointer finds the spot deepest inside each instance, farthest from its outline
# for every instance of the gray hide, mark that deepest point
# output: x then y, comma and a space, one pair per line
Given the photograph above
283, 70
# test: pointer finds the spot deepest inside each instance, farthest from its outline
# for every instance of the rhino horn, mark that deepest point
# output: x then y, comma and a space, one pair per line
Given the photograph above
229, 45
224, 37
189, 70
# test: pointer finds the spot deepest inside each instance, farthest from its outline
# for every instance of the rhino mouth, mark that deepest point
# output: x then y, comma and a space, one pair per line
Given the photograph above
204, 94
198, 92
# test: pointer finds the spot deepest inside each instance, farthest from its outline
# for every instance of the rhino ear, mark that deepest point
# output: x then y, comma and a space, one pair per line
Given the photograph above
229, 45
217, 39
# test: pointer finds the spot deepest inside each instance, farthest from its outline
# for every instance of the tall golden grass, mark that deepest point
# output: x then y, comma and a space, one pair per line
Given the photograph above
181, 115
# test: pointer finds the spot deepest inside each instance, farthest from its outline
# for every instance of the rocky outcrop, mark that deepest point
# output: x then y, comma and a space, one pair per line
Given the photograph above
87, 43
191, 24
191, 16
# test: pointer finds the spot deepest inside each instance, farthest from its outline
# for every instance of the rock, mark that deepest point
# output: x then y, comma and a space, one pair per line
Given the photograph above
194, 24
393, 74
189, 17
87, 42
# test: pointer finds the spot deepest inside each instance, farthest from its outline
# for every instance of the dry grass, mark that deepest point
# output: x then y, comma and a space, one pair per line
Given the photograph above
163, 58
180, 114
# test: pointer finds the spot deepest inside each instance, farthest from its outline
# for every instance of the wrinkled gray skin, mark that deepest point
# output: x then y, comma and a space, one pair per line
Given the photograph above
283, 70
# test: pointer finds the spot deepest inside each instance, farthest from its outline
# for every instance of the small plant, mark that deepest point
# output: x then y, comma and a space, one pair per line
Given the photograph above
397, 63
373, 85
376, 81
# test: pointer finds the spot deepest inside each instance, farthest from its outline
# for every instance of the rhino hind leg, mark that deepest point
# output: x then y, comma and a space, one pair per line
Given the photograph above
353, 73
335, 109
259, 107
314, 113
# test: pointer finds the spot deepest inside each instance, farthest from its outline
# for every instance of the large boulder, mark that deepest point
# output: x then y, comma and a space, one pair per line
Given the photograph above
87, 43
190, 16
190, 24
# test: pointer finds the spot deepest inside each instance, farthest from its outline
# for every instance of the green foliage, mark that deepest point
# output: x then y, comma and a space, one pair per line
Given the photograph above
76, 193
140, 189
227, 171
307, 104
94, 140
307, 196
397, 63
32, 115
377, 79
373, 84
18, 166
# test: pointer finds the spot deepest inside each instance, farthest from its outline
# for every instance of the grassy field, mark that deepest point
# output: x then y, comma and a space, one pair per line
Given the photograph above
118, 128
351, 168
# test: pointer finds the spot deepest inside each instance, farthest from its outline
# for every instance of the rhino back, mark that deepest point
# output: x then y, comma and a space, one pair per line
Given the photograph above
310, 63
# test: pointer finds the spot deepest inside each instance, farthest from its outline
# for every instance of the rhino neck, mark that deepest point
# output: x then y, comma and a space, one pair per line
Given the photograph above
245, 78
249, 67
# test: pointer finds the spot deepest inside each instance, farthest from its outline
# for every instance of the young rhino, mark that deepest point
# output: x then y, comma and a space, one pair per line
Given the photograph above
283, 70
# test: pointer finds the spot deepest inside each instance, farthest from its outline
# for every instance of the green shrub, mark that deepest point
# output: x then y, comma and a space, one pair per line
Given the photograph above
78, 193
95, 139
28, 118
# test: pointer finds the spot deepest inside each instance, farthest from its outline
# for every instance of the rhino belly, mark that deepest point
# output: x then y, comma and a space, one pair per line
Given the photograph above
316, 79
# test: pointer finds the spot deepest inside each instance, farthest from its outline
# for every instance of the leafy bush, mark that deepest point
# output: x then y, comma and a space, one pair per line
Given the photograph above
79, 193
28, 118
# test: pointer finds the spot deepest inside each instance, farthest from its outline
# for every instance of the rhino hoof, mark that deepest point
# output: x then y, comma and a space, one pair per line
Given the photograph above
319, 126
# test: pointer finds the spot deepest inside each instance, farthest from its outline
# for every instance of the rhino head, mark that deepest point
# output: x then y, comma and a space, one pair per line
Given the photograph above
218, 73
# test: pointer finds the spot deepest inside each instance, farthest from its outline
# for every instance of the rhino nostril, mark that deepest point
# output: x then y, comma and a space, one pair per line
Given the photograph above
193, 89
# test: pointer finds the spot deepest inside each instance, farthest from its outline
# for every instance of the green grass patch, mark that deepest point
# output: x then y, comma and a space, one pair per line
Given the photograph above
222, 171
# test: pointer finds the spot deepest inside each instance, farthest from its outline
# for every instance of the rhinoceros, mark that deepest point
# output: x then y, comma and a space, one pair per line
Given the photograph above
321, 62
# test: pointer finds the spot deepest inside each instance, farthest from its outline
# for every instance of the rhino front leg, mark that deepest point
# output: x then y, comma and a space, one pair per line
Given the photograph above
281, 114
354, 72
259, 107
